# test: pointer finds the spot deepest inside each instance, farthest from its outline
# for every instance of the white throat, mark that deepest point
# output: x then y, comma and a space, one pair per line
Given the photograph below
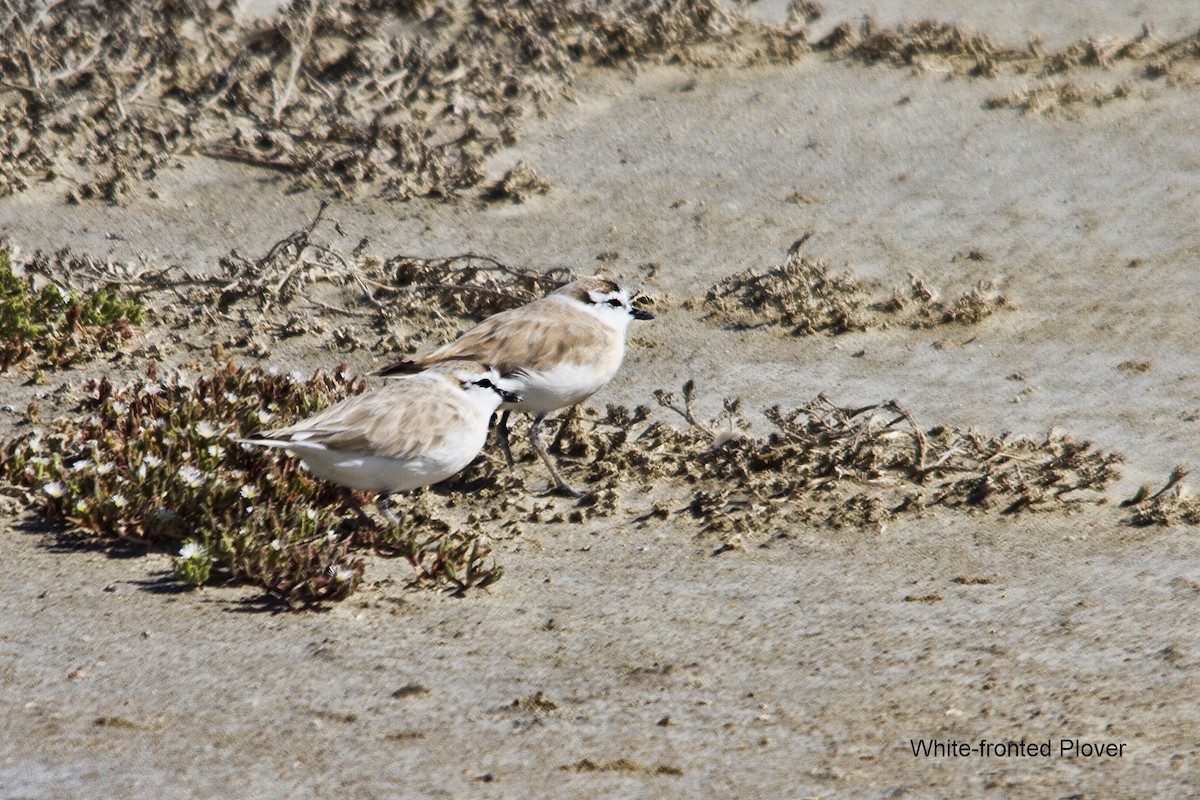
484, 400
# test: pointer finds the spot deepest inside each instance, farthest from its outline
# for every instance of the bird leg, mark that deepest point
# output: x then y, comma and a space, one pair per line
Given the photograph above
502, 438
562, 427
352, 501
535, 440
383, 503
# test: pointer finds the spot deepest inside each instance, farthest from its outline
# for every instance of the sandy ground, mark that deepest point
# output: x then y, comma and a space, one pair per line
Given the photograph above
625, 660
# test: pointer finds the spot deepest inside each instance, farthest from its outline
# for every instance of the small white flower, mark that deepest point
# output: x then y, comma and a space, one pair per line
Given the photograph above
141, 471
230, 397
82, 463
191, 476
310, 513
151, 460
120, 407
331, 536
152, 389
265, 416
81, 506
249, 493
104, 468
276, 544
340, 573
192, 550
119, 500
206, 430
94, 421
216, 451
56, 489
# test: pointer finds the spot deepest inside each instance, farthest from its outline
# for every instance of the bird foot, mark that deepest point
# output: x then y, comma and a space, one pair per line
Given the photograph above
385, 508
565, 489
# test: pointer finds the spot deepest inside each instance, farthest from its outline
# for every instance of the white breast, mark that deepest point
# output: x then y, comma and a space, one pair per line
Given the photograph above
564, 384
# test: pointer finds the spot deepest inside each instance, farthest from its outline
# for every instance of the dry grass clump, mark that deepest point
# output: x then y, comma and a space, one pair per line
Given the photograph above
875, 461
916, 43
1152, 57
101, 92
468, 285
933, 45
302, 282
824, 463
54, 326
800, 294
1170, 505
396, 99
155, 463
805, 296
519, 184
280, 294
1062, 97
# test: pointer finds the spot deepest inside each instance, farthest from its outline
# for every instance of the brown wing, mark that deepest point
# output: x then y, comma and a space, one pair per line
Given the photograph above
537, 337
402, 420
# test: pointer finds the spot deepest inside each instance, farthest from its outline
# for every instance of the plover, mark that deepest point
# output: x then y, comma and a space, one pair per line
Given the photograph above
410, 433
559, 350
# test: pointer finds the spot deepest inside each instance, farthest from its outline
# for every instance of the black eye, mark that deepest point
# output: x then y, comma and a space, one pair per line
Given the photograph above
485, 383
615, 303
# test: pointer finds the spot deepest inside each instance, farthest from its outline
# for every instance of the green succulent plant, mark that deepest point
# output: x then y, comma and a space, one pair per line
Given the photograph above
57, 327
156, 463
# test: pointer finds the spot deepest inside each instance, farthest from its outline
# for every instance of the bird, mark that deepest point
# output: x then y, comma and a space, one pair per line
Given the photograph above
409, 433
559, 349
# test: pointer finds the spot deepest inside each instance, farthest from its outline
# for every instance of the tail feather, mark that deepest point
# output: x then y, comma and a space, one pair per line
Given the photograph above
263, 440
405, 367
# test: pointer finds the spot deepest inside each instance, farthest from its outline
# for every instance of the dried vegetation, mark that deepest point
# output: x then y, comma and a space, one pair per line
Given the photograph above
929, 45
252, 303
396, 99
805, 296
1062, 96
1170, 505
409, 99
826, 464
